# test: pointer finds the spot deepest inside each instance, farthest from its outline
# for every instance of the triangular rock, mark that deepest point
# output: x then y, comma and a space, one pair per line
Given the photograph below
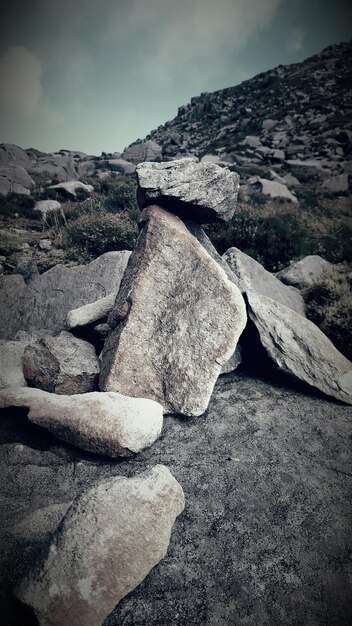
176, 321
299, 347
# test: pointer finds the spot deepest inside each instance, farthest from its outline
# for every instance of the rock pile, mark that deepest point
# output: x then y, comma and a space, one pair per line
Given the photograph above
174, 322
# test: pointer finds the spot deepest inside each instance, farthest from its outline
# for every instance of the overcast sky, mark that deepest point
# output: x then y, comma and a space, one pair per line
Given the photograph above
95, 75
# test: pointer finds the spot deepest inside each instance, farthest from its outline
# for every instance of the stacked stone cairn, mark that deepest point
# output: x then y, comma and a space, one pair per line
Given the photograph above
182, 315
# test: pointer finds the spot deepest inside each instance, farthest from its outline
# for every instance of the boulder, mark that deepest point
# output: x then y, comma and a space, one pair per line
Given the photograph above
45, 245
234, 361
252, 275
103, 423
305, 273
15, 179
91, 312
48, 206
11, 372
336, 184
271, 188
45, 302
144, 151
63, 364
300, 348
176, 320
54, 166
72, 186
107, 543
9, 152
202, 192
121, 165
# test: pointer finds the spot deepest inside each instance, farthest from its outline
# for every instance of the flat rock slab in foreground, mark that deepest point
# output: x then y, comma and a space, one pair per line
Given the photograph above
105, 423
265, 538
202, 192
108, 541
181, 320
300, 348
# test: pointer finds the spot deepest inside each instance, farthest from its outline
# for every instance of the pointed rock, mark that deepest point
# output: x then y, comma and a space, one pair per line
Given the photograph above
176, 320
299, 347
104, 423
107, 543
306, 273
202, 192
252, 275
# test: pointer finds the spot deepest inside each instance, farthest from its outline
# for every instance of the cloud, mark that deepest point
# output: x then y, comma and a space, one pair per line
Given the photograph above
20, 80
188, 33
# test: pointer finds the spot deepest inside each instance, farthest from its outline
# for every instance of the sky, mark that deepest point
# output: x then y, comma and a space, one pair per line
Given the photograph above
95, 75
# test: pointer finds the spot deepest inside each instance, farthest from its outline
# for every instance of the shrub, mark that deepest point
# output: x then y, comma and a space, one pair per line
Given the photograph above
17, 203
336, 246
120, 194
92, 235
272, 240
329, 306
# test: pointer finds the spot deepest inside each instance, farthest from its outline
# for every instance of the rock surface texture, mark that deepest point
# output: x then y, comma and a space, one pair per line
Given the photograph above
45, 301
91, 312
109, 540
63, 364
299, 347
252, 275
266, 532
11, 372
202, 192
176, 320
104, 423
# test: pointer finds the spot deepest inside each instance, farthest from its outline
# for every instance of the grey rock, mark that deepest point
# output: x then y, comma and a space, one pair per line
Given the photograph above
72, 186
11, 372
103, 423
9, 152
97, 557
45, 244
336, 184
27, 267
144, 151
252, 275
102, 330
234, 361
45, 302
300, 348
118, 165
176, 320
271, 188
63, 364
307, 272
15, 179
291, 181
91, 312
54, 166
46, 207
202, 192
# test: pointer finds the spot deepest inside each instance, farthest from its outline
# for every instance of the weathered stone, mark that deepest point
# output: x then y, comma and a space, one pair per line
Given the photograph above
271, 188
104, 423
252, 275
27, 267
234, 361
9, 152
336, 184
109, 540
45, 302
176, 320
144, 151
121, 165
305, 273
45, 244
72, 186
63, 364
11, 373
202, 192
48, 206
300, 348
15, 179
91, 312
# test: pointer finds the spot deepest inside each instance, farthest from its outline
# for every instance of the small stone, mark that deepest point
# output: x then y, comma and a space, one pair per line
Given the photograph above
45, 244
91, 312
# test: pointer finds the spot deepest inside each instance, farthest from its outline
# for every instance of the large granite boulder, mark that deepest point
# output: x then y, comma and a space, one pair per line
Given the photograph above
15, 179
143, 151
300, 348
107, 543
46, 300
252, 275
306, 273
63, 364
202, 192
104, 423
176, 320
